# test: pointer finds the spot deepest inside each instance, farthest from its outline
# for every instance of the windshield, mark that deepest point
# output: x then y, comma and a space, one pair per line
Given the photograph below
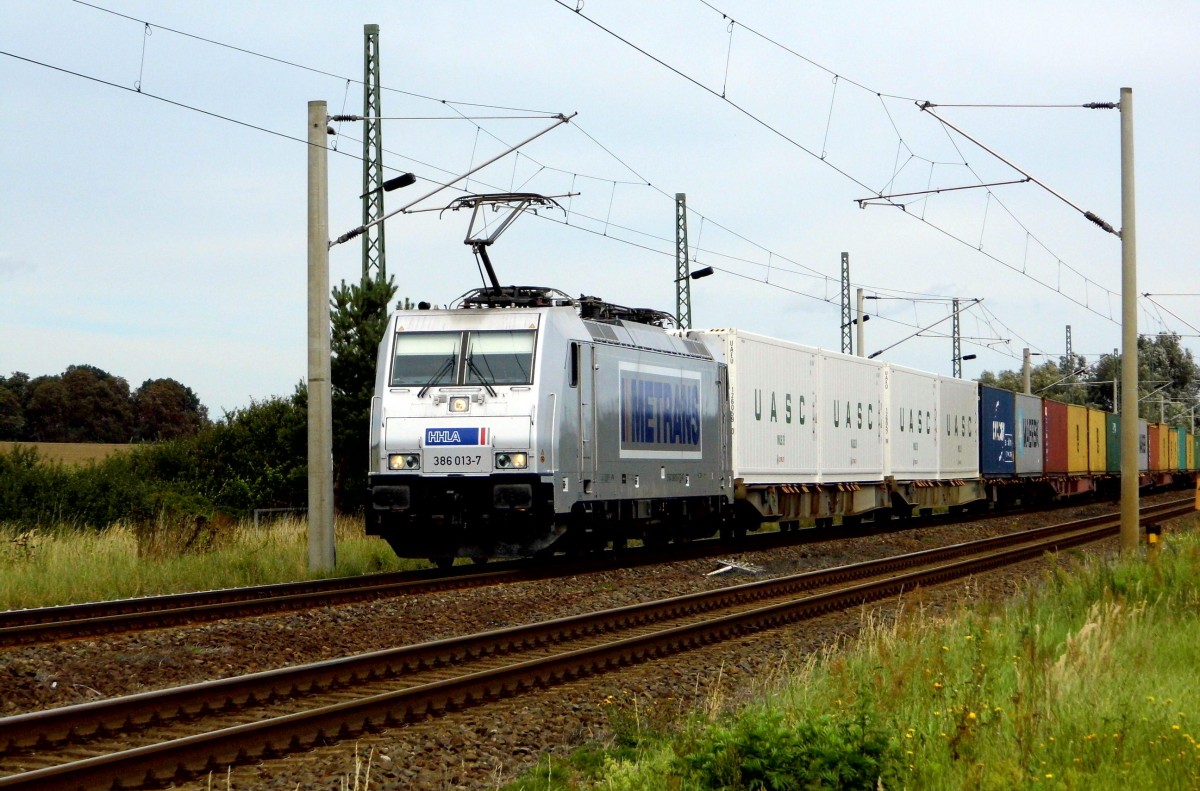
500, 358
425, 358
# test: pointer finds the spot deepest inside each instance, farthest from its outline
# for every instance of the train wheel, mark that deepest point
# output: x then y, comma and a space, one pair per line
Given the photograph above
442, 561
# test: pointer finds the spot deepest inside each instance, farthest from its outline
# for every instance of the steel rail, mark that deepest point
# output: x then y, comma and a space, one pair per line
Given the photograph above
63, 622
297, 731
76, 721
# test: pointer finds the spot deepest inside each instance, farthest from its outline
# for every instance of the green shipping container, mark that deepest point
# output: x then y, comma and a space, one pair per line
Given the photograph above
1113, 443
1181, 442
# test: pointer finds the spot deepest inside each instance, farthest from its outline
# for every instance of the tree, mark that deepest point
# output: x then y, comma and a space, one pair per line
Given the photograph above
1168, 379
13, 422
85, 404
12, 415
358, 318
166, 409
1050, 379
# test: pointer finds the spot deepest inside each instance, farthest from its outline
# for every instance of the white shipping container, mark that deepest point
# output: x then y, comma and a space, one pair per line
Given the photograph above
910, 428
850, 418
1143, 444
773, 398
958, 414
1027, 439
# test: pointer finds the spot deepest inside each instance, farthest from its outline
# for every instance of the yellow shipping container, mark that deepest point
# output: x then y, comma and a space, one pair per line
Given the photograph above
1164, 460
1191, 451
1097, 434
1077, 439
1172, 450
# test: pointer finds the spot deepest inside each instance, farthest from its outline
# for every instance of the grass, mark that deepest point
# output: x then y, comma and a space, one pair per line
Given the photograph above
1087, 681
64, 565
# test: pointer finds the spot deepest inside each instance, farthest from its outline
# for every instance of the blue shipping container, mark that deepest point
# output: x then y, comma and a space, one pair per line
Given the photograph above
996, 422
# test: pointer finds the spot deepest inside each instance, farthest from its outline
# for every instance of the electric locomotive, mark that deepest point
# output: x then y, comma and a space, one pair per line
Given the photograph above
523, 421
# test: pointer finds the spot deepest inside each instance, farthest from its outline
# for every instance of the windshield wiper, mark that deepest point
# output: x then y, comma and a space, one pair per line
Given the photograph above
483, 381
441, 372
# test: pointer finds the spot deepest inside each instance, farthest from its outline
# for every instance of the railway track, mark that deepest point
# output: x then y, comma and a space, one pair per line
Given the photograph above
71, 621
178, 733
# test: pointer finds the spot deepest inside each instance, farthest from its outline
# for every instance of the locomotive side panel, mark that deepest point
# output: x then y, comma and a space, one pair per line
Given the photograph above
658, 426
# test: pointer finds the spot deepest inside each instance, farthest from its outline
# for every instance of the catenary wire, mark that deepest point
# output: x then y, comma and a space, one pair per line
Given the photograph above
451, 104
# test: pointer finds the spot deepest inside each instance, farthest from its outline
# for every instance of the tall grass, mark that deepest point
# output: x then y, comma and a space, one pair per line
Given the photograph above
1088, 681
63, 564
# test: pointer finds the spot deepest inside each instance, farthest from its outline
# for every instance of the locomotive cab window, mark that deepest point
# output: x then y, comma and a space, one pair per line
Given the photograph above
434, 359
425, 358
499, 358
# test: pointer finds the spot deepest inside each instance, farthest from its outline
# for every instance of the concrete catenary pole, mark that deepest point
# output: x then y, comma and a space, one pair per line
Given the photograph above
1129, 337
861, 320
320, 412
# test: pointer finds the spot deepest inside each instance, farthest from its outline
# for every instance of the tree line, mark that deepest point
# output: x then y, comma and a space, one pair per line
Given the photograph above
185, 464
87, 404
1168, 378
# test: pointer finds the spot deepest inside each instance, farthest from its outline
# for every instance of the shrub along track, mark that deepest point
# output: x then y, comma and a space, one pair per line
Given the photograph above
210, 725
49, 624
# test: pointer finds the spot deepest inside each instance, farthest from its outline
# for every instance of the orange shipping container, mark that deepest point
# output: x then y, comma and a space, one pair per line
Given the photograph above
1077, 439
1163, 444
1097, 435
1155, 435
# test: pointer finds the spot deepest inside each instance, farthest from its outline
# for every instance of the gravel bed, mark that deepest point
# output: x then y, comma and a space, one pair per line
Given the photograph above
482, 748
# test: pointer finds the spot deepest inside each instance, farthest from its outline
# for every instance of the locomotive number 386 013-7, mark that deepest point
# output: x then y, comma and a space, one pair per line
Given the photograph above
458, 461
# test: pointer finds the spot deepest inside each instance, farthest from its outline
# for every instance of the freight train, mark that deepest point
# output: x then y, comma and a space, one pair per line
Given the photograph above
524, 421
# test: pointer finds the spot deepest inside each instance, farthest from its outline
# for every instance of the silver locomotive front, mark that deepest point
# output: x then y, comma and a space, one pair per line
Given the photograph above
495, 432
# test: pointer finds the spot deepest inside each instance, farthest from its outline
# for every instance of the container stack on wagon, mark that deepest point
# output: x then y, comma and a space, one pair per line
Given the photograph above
499, 432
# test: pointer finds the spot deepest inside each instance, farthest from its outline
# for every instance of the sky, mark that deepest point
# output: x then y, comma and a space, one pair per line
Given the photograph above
153, 179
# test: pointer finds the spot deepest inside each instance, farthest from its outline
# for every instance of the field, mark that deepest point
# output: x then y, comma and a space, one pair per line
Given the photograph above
72, 454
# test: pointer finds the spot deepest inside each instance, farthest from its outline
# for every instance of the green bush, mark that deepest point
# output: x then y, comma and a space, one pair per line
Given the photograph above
254, 458
762, 750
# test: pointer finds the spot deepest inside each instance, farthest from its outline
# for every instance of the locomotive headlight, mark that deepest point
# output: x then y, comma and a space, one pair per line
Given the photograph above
512, 461
404, 461
460, 404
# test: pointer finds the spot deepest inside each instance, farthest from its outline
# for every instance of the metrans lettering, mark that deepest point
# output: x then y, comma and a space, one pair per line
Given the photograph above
660, 411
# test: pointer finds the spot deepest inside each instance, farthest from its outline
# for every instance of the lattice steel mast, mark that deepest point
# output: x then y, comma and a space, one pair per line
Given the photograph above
956, 343
683, 282
374, 267
847, 322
